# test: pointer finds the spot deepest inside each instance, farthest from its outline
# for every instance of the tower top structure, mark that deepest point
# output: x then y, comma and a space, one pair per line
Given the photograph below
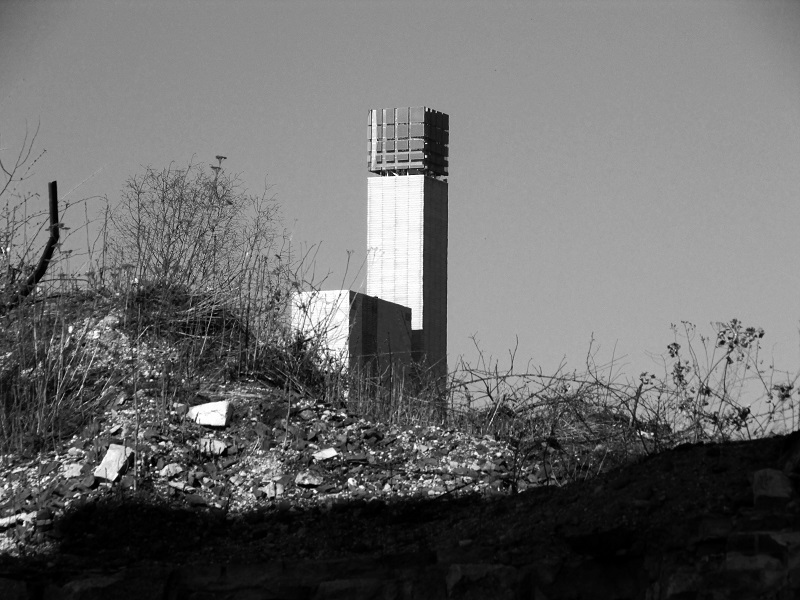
408, 141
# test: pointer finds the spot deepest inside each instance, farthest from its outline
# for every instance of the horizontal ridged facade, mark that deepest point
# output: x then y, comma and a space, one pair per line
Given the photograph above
407, 254
395, 228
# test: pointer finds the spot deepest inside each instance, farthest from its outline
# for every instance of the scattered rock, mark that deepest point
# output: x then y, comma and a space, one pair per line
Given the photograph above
181, 486
73, 470
89, 482
307, 414
12, 520
211, 414
212, 447
171, 470
377, 463
115, 462
325, 454
308, 479
272, 490
44, 519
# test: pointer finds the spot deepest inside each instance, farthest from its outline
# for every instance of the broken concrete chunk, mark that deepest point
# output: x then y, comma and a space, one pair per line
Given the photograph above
771, 488
73, 470
325, 454
12, 520
272, 490
211, 414
212, 447
308, 479
171, 470
115, 462
182, 486
307, 414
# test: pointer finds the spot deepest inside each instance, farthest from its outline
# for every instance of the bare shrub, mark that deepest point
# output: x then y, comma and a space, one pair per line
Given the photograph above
21, 223
211, 257
575, 425
49, 375
718, 389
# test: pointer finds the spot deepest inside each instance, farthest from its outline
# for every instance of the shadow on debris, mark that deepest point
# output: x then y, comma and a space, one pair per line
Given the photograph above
116, 532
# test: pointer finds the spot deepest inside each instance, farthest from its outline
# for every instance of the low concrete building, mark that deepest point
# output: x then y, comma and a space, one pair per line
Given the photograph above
353, 328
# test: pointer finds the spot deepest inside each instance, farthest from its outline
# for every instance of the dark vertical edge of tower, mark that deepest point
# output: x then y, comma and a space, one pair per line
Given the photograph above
435, 236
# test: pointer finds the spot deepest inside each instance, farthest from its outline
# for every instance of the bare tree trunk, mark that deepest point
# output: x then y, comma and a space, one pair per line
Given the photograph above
26, 287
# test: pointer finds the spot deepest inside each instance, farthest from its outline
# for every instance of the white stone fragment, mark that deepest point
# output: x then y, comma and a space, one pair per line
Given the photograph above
308, 479
73, 470
273, 489
12, 520
114, 463
325, 454
182, 486
212, 447
211, 414
171, 470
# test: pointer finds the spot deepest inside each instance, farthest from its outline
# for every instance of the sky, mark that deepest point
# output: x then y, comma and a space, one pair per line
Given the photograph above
615, 167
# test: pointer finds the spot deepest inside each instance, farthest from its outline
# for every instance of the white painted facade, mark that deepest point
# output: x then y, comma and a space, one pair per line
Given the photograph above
395, 230
325, 315
407, 254
354, 328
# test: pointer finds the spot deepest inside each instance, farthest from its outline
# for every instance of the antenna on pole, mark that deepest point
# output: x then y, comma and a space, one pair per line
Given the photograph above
217, 169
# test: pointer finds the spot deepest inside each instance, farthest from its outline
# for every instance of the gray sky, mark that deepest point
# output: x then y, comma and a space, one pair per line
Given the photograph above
615, 166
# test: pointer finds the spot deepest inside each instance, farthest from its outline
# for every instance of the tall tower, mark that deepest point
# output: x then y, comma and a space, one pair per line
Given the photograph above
407, 222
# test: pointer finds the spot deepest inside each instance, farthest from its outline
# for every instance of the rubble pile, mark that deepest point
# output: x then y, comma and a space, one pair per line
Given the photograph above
246, 447
730, 535
243, 490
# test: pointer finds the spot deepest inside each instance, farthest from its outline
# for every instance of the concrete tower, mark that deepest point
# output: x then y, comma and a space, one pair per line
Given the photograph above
407, 222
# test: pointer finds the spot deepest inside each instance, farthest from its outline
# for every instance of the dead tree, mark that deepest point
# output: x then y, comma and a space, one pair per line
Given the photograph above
27, 286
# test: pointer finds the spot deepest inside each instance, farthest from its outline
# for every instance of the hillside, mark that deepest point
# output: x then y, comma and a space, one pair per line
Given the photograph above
285, 496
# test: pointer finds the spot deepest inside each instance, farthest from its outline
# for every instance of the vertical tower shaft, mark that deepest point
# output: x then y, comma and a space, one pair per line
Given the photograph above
407, 221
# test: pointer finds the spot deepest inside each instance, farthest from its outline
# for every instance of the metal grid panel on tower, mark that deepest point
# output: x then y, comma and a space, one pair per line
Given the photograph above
407, 140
